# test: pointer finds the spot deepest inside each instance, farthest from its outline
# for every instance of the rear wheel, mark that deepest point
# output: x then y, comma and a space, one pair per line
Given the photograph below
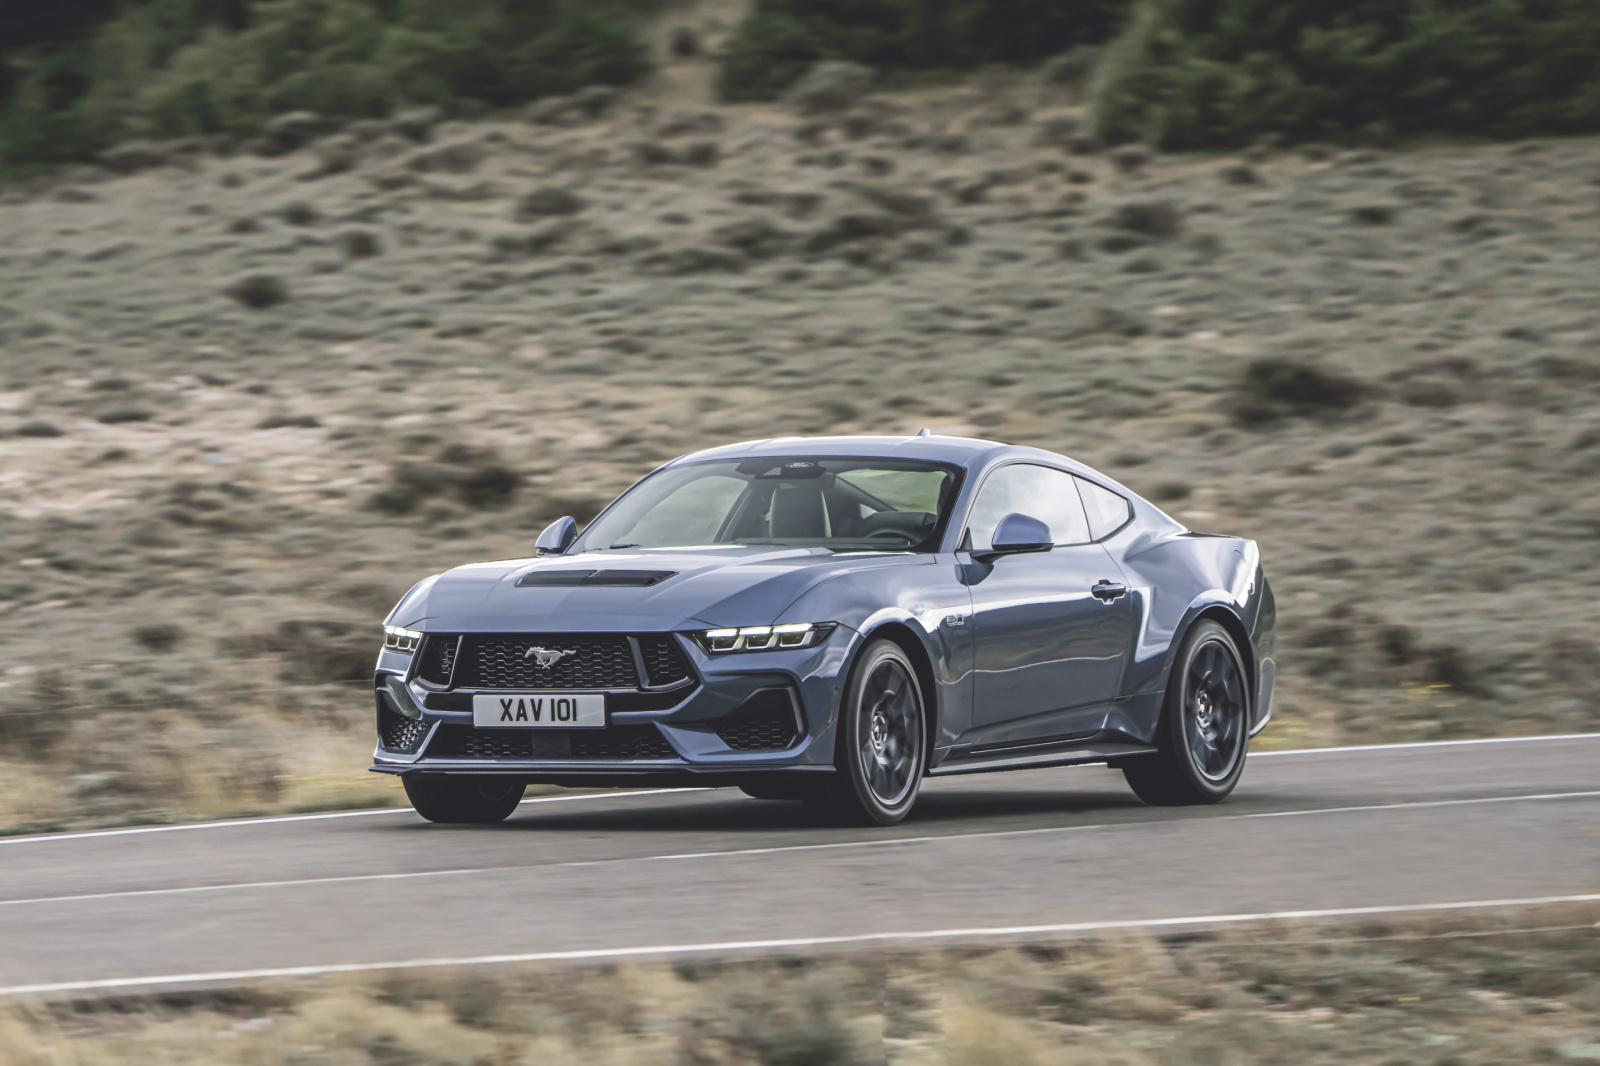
881, 747
1204, 731
464, 800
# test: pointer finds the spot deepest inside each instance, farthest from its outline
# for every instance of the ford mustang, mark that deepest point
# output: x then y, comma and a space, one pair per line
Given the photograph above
832, 620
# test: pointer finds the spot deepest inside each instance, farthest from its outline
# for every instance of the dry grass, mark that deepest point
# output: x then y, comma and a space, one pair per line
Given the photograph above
1458, 993
255, 757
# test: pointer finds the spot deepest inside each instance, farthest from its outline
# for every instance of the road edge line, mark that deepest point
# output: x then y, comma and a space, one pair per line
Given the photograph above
312, 816
1412, 744
915, 936
315, 816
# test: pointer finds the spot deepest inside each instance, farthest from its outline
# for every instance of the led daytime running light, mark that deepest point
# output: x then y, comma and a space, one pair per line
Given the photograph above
397, 639
766, 638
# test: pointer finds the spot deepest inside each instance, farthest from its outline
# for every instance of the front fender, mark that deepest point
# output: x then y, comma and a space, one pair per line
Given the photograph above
928, 605
413, 606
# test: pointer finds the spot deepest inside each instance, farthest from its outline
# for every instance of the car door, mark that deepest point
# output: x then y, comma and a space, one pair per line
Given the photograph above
1052, 631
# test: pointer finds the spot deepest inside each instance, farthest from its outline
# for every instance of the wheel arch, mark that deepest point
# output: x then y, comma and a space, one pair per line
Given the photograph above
921, 661
1236, 628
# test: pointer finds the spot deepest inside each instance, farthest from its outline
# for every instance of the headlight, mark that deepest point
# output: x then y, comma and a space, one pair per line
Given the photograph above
765, 638
397, 639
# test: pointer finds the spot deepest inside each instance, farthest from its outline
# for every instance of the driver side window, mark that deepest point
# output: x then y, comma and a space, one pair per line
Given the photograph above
1036, 491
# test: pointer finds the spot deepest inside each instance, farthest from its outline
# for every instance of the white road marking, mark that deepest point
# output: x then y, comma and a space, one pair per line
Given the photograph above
1038, 830
1420, 803
775, 849
240, 886
785, 944
236, 823
1409, 745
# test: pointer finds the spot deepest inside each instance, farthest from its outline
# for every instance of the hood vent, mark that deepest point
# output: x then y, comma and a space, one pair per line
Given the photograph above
633, 579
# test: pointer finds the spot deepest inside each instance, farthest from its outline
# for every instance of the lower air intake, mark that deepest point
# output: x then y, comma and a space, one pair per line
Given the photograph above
615, 742
397, 733
764, 722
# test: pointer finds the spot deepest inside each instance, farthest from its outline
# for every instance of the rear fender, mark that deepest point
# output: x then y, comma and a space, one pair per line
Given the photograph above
1219, 606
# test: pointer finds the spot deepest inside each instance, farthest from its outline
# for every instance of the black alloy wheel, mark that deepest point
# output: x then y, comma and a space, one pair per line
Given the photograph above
464, 800
1205, 725
881, 743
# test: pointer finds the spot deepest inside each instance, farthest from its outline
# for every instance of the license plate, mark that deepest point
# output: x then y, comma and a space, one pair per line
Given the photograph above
540, 710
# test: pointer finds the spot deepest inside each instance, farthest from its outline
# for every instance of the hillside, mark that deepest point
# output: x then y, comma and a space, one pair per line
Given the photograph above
246, 401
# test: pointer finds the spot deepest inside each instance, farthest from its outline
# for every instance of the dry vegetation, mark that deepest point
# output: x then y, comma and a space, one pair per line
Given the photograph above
246, 401
1463, 993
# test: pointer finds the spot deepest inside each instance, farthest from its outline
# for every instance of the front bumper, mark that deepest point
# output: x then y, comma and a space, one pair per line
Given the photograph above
693, 728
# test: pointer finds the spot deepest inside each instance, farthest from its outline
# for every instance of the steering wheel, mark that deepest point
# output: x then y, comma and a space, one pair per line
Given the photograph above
902, 534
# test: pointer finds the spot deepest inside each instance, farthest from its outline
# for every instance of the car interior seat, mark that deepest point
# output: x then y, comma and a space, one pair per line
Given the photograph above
798, 512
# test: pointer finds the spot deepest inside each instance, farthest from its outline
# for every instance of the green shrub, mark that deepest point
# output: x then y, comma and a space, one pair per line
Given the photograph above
1204, 73
172, 68
780, 39
1274, 388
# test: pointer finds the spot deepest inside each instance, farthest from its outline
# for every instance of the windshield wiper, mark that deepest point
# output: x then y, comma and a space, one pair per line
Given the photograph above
614, 547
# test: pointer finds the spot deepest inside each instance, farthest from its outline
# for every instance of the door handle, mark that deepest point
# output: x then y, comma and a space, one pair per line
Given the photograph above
1107, 591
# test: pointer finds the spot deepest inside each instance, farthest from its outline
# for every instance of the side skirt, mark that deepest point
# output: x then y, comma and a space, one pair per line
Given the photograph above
1069, 754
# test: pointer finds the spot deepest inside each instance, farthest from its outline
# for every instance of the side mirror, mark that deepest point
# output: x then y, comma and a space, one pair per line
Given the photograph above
557, 537
1017, 534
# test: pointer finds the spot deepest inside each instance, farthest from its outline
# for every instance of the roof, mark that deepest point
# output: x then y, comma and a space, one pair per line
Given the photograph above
969, 452
959, 450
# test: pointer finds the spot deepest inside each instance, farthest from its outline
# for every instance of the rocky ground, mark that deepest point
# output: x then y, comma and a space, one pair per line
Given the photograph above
1441, 994
247, 400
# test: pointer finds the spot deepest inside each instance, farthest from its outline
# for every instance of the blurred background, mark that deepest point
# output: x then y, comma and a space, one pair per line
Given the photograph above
303, 300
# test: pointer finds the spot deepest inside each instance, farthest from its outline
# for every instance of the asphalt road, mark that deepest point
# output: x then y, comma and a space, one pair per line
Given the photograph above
1037, 853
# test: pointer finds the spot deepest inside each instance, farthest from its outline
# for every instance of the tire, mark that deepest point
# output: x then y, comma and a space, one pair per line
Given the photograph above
880, 750
1204, 731
464, 800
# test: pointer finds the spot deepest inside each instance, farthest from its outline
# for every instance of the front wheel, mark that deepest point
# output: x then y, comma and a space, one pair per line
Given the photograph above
464, 800
1205, 725
881, 746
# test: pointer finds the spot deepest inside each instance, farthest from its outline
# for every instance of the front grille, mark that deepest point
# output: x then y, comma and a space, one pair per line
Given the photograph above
764, 722
398, 733
663, 659
615, 742
438, 659
497, 661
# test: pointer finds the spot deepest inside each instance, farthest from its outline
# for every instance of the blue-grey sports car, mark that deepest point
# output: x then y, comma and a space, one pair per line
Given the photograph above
831, 620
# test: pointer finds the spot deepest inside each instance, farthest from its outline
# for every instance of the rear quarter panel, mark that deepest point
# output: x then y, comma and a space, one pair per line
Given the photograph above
1175, 576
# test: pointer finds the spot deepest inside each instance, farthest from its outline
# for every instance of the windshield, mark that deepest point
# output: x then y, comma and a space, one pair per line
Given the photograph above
796, 501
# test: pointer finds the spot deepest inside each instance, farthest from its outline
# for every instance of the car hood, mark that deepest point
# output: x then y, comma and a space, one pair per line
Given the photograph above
712, 588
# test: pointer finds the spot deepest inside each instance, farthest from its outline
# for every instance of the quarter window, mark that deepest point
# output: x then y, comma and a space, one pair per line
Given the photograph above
1036, 491
1107, 511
